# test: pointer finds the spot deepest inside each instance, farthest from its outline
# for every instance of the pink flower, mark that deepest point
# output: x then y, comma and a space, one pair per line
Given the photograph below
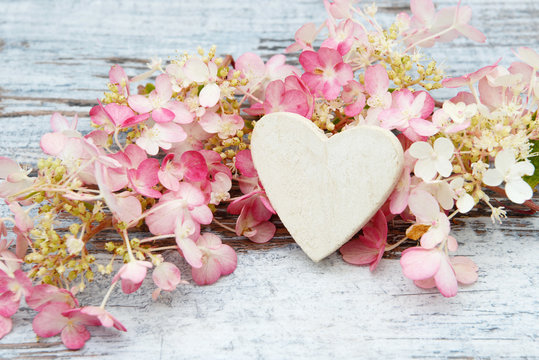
125, 207
166, 276
325, 72
433, 268
45, 294
408, 113
304, 37
471, 78
113, 116
280, 97
59, 318
369, 247
427, 211
132, 275
224, 125
343, 36
12, 289
191, 166
160, 136
157, 102
118, 77
144, 178
9, 262
420, 264
103, 316
186, 203
428, 26
252, 68
215, 164
340, 9
218, 260
220, 187
377, 85
399, 198
15, 178
353, 95
255, 211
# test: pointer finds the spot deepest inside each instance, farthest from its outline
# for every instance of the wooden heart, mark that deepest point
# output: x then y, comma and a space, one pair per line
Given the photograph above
324, 189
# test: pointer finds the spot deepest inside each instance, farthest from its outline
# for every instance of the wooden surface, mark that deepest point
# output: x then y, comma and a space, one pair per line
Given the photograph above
278, 304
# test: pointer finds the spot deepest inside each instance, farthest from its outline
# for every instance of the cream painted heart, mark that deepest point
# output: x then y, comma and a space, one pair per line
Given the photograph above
324, 189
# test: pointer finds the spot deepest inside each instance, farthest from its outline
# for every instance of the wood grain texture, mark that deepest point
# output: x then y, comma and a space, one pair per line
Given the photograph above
278, 304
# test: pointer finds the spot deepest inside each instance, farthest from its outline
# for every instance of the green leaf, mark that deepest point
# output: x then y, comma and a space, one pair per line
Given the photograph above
533, 180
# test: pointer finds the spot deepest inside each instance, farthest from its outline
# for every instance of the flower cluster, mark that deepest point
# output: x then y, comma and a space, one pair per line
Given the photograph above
163, 156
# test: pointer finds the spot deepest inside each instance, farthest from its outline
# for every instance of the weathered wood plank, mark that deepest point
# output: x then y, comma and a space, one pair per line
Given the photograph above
278, 304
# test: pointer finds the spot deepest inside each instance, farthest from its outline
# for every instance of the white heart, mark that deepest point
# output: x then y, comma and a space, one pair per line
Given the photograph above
324, 189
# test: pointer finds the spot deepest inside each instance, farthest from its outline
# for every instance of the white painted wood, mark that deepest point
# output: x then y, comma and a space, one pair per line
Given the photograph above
324, 189
278, 304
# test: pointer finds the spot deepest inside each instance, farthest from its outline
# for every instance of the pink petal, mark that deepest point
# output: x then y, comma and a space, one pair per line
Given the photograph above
227, 258
465, 269
208, 273
162, 115
471, 33
202, 214
195, 164
191, 194
53, 143
264, 232
118, 113
75, 336
244, 163
44, 294
9, 304
190, 251
357, 252
59, 123
419, 264
8, 167
181, 112
423, 10
423, 127
171, 132
423, 205
140, 103
163, 87
166, 276
5, 326
376, 80
309, 60
445, 278
50, 321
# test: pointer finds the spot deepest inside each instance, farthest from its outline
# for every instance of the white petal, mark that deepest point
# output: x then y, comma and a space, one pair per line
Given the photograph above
209, 95
518, 191
444, 167
522, 168
196, 70
504, 161
492, 177
420, 150
444, 148
425, 169
465, 203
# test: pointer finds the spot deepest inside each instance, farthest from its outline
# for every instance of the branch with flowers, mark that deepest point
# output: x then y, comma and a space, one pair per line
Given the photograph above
165, 154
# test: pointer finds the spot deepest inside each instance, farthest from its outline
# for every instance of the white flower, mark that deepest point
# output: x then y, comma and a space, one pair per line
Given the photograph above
459, 112
510, 171
432, 161
465, 201
74, 245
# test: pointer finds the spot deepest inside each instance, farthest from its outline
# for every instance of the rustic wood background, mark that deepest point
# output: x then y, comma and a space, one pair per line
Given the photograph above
55, 56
